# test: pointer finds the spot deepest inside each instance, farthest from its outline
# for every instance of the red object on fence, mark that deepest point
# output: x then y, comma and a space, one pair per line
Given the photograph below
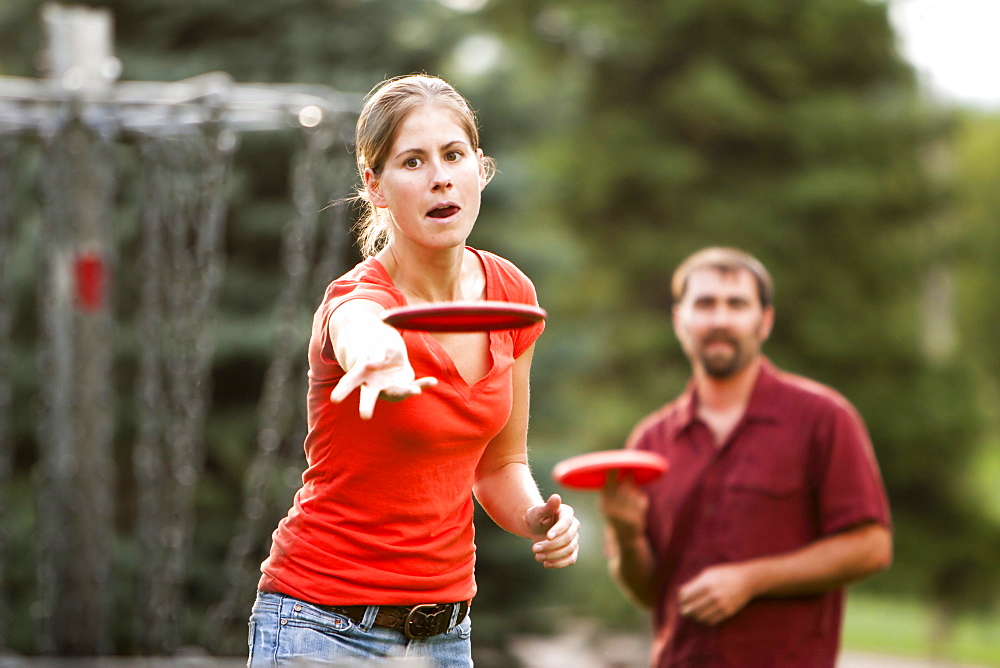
89, 274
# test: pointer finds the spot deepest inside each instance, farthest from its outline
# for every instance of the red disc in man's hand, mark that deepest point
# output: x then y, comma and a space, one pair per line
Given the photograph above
589, 471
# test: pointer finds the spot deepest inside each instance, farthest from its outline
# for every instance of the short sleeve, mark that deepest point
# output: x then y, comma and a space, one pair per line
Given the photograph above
366, 281
851, 490
505, 282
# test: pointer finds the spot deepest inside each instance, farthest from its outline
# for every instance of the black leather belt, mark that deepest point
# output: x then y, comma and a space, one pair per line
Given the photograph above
418, 621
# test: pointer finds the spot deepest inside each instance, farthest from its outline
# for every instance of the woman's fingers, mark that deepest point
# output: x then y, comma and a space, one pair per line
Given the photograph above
561, 545
379, 379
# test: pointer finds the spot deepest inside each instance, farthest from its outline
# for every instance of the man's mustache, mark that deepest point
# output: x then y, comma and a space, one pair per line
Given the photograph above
720, 336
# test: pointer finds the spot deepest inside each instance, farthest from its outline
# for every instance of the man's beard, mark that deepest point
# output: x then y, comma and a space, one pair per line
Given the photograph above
721, 366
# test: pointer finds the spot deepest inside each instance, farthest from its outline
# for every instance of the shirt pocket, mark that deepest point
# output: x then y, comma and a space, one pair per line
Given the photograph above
766, 510
772, 482
771, 465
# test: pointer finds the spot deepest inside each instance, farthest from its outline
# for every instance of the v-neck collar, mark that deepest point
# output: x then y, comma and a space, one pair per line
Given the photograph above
461, 385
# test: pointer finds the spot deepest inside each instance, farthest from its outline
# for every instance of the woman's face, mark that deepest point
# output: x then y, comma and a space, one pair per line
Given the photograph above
431, 182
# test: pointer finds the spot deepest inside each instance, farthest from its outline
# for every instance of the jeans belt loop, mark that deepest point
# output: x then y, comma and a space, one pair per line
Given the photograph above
368, 619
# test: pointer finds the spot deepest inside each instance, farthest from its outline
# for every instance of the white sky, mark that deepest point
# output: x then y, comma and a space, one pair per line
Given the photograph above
953, 44
955, 47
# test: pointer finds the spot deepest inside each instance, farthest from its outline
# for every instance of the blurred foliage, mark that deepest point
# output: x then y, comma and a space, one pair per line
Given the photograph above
977, 240
795, 132
628, 134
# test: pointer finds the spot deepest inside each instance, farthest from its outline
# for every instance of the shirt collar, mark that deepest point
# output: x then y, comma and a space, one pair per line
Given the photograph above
763, 403
764, 400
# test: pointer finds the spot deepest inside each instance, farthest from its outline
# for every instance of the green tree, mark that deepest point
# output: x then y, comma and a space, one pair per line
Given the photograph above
974, 224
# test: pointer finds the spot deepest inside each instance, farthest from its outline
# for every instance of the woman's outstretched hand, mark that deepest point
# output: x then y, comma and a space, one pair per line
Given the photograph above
381, 373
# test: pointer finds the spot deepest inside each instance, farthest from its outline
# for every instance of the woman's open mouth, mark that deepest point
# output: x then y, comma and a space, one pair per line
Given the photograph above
443, 211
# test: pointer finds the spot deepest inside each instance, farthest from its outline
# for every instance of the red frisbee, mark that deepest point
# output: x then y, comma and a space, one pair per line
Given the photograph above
590, 470
464, 316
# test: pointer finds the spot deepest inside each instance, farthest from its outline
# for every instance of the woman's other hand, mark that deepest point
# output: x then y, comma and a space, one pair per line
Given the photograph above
557, 529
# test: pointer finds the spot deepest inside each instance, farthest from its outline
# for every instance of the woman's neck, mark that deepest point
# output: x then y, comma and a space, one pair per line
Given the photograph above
451, 275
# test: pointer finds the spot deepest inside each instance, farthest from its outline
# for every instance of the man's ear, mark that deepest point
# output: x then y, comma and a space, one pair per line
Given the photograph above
374, 190
675, 319
766, 323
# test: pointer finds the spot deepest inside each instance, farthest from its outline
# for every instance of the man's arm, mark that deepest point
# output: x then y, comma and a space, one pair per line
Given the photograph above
630, 556
721, 591
631, 566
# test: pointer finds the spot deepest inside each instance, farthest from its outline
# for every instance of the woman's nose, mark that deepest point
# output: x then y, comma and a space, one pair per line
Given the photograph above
442, 177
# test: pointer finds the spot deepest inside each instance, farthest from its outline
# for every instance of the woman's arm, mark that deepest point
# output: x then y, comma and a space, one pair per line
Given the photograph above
373, 356
508, 493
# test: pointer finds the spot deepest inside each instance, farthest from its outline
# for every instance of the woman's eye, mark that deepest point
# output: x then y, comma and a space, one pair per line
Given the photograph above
453, 156
412, 163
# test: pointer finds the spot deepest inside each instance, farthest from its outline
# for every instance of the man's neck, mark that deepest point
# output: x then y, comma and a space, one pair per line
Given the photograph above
722, 402
727, 394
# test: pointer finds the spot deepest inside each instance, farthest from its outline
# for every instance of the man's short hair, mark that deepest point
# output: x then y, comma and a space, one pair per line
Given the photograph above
728, 261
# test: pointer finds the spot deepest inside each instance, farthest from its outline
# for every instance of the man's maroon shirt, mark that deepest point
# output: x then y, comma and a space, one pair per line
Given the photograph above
798, 466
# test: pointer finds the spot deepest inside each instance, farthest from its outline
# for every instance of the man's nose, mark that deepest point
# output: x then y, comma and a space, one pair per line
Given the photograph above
720, 315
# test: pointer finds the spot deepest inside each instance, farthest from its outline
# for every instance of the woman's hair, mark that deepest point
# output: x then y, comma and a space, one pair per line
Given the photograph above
728, 261
384, 111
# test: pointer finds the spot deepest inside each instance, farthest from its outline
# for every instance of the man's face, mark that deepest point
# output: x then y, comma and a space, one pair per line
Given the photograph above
720, 321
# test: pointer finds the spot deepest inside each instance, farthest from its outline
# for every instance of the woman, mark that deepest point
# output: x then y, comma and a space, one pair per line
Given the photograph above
375, 558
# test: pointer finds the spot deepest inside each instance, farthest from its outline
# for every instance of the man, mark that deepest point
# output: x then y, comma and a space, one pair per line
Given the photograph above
773, 501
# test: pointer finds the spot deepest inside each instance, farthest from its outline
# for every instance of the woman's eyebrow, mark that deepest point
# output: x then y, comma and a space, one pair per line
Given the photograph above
420, 151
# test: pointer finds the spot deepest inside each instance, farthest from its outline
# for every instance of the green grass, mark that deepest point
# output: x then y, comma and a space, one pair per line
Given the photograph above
904, 628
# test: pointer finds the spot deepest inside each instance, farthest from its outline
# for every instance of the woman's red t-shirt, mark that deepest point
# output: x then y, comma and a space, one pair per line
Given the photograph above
384, 514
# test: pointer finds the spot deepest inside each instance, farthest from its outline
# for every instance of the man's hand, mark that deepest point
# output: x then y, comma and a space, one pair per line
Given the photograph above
624, 507
555, 525
716, 594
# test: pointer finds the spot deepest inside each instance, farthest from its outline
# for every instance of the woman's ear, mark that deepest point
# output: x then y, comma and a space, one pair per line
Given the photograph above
483, 180
373, 188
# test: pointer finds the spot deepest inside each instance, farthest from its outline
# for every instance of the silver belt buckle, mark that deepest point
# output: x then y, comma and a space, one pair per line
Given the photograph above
414, 629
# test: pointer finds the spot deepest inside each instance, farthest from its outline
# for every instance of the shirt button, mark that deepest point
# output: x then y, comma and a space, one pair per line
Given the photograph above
298, 608
284, 621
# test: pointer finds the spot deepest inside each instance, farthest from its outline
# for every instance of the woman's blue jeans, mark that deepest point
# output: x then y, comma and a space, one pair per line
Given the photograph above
285, 631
